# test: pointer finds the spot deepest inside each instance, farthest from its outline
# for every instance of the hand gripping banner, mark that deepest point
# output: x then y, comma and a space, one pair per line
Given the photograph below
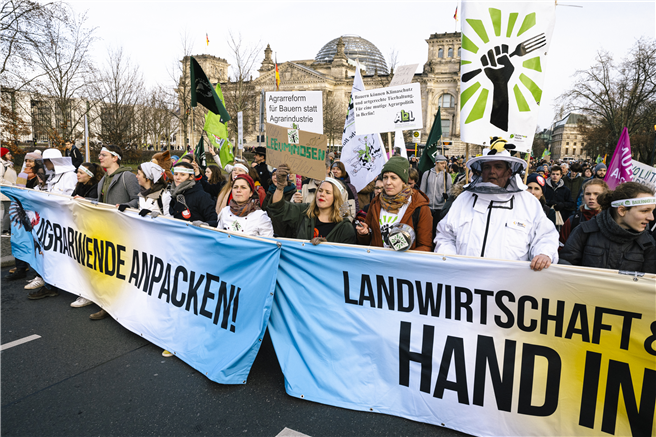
481, 346
204, 295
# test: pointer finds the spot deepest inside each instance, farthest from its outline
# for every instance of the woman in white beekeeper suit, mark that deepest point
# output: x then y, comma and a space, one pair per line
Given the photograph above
61, 173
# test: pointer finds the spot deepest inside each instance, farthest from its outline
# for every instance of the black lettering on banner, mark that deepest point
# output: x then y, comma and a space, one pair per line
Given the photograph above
80, 240
366, 283
510, 318
64, 240
598, 325
484, 295
454, 350
119, 261
174, 293
590, 389
156, 276
41, 229
71, 243
464, 304
521, 316
98, 254
192, 293
108, 258
207, 295
223, 304
558, 317
235, 308
641, 420
447, 301
400, 284
579, 312
134, 270
429, 300
146, 271
166, 284
527, 374
88, 250
48, 236
56, 229
649, 341
425, 358
486, 355
383, 290
347, 291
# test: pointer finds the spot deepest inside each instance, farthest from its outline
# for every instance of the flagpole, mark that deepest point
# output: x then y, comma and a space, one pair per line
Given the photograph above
466, 159
86, 139
528, 165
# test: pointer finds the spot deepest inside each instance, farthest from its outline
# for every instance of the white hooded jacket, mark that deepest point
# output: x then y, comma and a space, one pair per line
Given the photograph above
63, 179
509, 226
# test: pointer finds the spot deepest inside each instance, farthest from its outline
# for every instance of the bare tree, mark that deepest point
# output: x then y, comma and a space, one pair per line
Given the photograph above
614, 96
239, 92
120, 94
334, 116
180, 96
160, 118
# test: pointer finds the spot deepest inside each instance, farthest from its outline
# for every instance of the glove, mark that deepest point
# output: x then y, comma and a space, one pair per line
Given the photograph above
122, 207
317, 240
281, 175
154, 214
445, 196
144, 212
199, 223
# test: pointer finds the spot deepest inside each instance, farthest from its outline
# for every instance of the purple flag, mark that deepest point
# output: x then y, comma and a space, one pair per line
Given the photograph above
620, 169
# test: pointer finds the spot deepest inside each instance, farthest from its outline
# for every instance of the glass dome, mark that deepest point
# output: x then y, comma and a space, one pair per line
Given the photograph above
358, 48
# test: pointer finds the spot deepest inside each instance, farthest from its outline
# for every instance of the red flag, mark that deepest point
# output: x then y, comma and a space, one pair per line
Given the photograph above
455, 16
620, 169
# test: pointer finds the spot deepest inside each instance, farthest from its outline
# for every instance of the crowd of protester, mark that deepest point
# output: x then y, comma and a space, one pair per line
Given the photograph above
562, 213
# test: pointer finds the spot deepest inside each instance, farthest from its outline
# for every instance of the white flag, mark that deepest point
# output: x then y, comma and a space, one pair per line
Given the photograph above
362, 155
504, 54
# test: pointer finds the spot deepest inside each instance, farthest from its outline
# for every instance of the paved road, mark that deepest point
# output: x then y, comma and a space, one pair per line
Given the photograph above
84, 377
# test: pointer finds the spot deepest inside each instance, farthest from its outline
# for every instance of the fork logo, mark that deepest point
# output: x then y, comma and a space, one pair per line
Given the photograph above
500, 64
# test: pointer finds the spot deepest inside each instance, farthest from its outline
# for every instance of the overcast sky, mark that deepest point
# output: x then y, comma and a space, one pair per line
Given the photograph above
150, 32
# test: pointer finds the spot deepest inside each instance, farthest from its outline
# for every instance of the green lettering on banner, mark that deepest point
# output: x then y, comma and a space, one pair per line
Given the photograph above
314, 153
322, 155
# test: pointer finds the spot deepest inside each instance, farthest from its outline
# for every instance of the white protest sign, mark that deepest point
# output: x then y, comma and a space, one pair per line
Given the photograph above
388, 109
416, 137
644, 174
240, 130
302, 108
403, 75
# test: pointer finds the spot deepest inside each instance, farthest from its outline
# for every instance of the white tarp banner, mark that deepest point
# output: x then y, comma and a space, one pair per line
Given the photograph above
362, 155
504, 54
644, 174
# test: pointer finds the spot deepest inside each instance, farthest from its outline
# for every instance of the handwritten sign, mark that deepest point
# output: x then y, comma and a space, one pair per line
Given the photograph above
304, 152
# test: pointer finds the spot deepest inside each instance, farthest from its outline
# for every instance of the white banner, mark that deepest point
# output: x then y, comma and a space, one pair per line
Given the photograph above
403, 74
362, 155
388, 109
301, 108
644, 174
504, 56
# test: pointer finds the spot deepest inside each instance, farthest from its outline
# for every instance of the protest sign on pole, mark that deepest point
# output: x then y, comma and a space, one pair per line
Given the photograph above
388, 109
403, 75
644, 174
504, 53
620, 169
240, 130
146, 272
300, 109
304, 152
477, 345
362, 155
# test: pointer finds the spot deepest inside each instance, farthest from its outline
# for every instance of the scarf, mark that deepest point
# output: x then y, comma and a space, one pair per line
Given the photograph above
181, 188
243, 209
612, 230
393, 204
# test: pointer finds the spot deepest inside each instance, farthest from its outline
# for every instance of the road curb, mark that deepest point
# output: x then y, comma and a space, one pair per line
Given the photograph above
8, 261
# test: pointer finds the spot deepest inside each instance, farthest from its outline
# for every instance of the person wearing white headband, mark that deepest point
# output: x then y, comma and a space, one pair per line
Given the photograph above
188, 199
319, 221
155, 199
88, 177
618, 237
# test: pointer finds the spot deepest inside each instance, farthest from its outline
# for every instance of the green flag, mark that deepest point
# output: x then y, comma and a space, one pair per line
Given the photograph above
545, 153
427, 160
203, 93
199, 154
217, 133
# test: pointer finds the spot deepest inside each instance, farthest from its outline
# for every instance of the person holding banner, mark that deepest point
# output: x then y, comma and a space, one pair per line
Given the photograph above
397, 204
496, 217
119, 185
155, 199
224, 196
244, 213
60, 172
320, 221
88, 177
618, 237
188, 199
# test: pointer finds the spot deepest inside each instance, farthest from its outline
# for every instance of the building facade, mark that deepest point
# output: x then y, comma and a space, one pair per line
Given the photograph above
566, 139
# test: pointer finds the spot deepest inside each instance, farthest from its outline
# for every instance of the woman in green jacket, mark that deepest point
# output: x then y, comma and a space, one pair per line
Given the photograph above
319, 221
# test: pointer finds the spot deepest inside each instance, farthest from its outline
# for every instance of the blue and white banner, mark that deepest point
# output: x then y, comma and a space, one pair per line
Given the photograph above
481, 346
204, 295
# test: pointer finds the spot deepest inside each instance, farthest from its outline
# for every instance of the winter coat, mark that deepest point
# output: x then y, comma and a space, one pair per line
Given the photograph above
508, 226
61, 180
612, 247
212, 189
151, 201
574, 184
89, 191
352, 195
257, 223
7, 176
455, 191
293, 216
198, 202
582, 215
287, 194
264, 175
123, 188
364, 195
309, 191
559, 197
75, 155
432, 184
423, 229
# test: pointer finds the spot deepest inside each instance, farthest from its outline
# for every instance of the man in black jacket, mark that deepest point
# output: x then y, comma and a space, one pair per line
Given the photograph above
261, 168
74, 153
558, 195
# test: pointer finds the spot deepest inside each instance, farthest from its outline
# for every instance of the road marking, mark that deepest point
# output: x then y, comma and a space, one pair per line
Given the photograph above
19, 342
287, 432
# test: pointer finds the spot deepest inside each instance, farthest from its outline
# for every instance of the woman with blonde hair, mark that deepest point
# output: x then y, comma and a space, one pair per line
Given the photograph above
322, 220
